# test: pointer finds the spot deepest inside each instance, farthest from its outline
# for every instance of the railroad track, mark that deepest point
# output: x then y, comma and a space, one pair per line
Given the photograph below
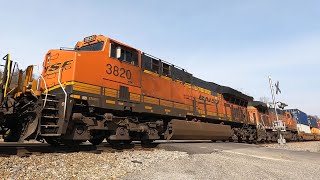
27, 149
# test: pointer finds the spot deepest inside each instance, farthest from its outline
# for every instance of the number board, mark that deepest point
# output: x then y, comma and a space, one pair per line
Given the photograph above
119, 72
89, 39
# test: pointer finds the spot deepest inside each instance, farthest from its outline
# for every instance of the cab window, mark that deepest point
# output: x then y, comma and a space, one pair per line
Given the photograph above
122, 57
124, 54
113, 50
128, 56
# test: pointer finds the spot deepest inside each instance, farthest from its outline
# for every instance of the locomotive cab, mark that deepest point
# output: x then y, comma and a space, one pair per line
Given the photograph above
98, 76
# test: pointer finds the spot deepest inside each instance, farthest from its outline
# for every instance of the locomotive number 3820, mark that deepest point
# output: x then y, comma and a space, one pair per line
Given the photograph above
116, 71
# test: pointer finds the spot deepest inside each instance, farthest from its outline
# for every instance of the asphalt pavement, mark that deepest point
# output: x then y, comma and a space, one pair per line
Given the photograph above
206, 160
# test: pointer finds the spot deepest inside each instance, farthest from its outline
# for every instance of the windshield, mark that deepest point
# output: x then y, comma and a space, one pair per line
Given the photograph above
91, 47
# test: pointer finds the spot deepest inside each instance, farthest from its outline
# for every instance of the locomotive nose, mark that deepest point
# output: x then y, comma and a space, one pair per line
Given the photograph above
54, 61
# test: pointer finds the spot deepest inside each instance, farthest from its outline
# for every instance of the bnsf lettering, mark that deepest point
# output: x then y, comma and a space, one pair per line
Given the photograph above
212, 100
64, 66
116, 71
54, 67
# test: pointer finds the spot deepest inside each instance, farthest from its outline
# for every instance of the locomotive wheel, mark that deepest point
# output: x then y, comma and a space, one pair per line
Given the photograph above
96, 140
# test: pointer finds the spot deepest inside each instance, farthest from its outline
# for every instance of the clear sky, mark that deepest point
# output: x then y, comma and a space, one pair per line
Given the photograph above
233, 43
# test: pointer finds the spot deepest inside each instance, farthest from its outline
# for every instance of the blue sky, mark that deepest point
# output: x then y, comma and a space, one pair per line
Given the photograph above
233, 43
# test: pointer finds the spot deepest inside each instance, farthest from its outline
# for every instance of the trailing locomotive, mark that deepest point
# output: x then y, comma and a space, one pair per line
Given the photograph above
104, 89
264, 117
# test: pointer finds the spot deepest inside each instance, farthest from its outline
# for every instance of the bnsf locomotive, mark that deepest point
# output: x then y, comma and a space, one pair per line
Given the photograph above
104, 89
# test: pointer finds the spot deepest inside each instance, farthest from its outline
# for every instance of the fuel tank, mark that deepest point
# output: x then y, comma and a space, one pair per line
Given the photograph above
190, 130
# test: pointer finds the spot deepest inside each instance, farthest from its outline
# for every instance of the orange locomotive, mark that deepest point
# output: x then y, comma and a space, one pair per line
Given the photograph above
109, 89
104, 89
264, 117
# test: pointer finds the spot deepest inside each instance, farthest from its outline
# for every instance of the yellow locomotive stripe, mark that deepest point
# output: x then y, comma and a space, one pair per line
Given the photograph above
156, 74
87, 88
111, 92
83, 85
209, 113
134, 97
150, 72
150, 100
110, 102
76, 96
58, 86
187, 85
79, 87
166, 103
180, 106
200, 111
165, 77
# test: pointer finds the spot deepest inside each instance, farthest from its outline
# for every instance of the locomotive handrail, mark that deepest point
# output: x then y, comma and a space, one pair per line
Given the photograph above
45, 86
65, 94
7, 74
67, 49
263, 124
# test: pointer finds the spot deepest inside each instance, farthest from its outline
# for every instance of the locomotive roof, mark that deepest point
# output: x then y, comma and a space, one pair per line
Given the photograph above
224, 90
231, 91
258, 104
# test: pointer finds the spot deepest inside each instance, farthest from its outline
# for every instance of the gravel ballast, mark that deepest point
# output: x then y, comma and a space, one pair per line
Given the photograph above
82, 165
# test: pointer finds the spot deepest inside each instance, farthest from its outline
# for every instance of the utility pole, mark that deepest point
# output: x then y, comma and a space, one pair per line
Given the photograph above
278, 125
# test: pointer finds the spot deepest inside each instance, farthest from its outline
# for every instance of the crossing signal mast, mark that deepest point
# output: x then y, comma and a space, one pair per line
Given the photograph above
278, 125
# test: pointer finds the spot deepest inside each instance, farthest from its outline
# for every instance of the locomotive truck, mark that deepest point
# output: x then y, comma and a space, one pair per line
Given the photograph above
104, 89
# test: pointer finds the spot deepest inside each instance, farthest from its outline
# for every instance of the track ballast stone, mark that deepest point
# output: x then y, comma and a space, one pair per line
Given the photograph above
83, 165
